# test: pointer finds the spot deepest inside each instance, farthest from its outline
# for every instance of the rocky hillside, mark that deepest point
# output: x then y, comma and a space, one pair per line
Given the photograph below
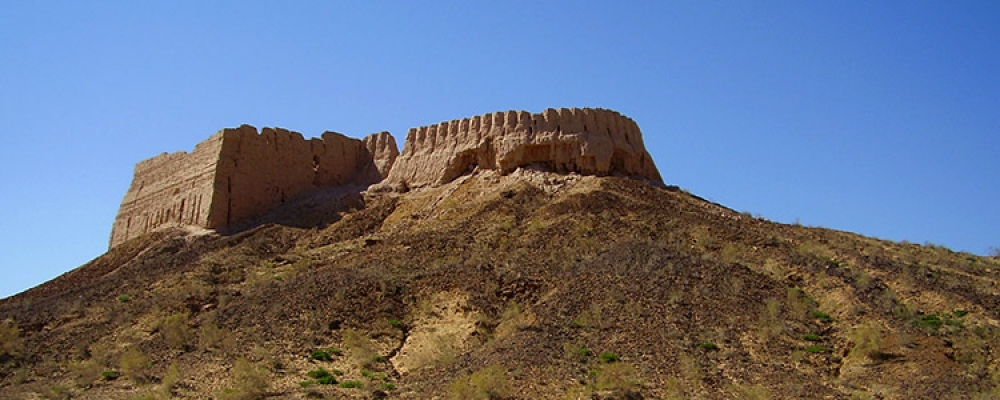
531, 285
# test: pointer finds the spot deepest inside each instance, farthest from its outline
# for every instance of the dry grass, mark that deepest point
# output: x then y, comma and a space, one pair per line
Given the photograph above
360, 347
135, 365
486, 384
617, 376
10, 338
248, 382
867, 341
176, 331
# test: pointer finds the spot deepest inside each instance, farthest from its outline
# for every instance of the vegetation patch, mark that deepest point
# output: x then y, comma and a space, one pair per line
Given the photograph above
934, 322
486, 384
351, 384
248, 382
609, 357
321, 355
817, 349
822, 316
709, 346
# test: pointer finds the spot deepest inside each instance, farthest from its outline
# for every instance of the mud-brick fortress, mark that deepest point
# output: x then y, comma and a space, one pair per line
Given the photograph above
239, 174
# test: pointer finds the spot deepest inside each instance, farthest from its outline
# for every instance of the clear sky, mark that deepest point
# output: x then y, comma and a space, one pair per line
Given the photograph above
881, 118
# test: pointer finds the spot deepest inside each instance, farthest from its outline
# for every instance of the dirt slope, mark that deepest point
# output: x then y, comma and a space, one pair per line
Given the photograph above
532, 285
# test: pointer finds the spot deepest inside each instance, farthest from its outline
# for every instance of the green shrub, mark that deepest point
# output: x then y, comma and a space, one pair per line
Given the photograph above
386, 386
395, 323
930, 321
822, 316
350, 384
378, 359
109, 375
321, 355
609, 357
327, 380
584, 352
816, 349
812, 337
709, 346
124, 298
319, 373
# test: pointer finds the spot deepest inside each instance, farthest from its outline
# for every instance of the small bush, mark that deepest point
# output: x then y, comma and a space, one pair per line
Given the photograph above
609, 357
135, 365
812, 337
327, 380
822, 316
212, 336
321, 355
350, 384
378, 359
360, 346
867, 341
10, 338
584, 352
488, 383
816, 349
930, 321
386, 386
176, 331
618, 376
86, 372
395, 323
171, 378
319, 373
709, 346
124, 298
249, 382
109, 375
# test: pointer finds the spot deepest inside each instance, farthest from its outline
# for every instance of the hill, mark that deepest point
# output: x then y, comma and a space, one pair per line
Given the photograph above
519, 286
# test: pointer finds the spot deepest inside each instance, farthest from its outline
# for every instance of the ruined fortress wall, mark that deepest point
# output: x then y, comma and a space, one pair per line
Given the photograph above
383, 149
235, 175
587, 141
238, 174
169, 189
257, 172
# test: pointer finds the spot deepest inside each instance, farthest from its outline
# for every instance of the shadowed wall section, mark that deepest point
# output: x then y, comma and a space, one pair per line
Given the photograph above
235, 175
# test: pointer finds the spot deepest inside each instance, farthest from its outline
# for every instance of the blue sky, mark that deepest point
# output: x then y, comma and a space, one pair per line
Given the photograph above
881, 118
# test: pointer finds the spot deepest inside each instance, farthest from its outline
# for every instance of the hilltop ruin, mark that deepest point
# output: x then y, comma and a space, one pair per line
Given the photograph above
238, 174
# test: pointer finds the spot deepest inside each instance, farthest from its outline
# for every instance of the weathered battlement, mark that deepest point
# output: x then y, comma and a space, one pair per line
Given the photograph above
588, 141
383, 148
235, 175
239, 174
